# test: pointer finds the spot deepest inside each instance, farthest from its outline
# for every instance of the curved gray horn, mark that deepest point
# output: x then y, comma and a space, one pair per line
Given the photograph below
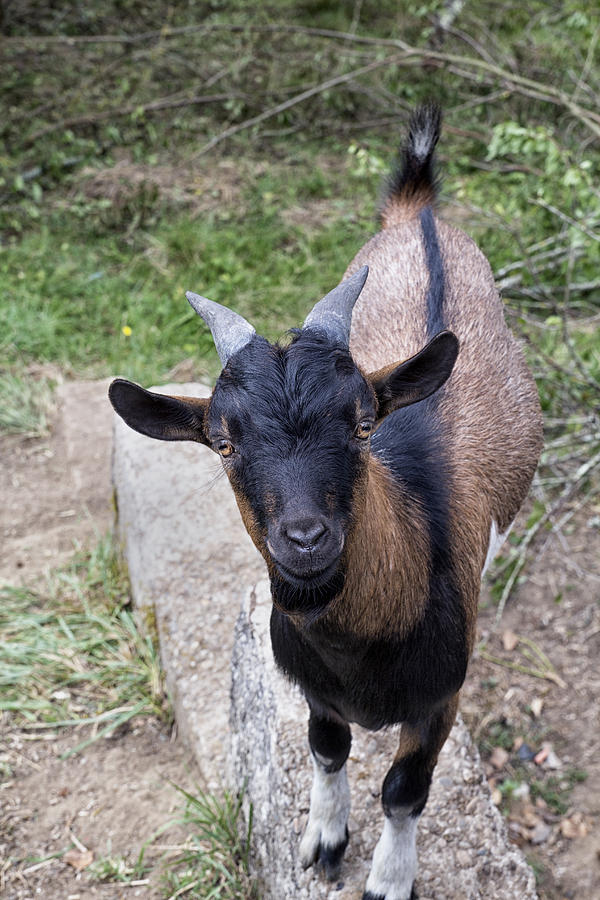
333, 313
230, 331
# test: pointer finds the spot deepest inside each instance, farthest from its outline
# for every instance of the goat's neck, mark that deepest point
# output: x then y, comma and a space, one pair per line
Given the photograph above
387, 562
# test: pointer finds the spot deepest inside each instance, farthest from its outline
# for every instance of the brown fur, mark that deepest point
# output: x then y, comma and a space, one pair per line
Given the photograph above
398, 209
489, 407
438, 729
385, 557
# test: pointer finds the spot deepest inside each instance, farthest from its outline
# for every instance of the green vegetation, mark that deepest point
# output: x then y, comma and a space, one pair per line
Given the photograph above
25, 404
240, 156
209, 860
214, 862
555, 790
71, 654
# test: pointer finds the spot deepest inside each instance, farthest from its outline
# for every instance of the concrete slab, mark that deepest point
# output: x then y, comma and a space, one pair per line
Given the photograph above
191, 563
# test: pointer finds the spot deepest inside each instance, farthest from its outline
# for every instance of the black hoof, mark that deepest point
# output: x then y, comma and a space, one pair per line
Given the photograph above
330, 858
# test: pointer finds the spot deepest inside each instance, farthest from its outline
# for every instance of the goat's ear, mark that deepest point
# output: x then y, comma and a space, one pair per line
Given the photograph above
416, 378
158, 415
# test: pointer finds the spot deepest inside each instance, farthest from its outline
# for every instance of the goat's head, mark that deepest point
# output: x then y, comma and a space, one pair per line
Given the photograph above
292, 424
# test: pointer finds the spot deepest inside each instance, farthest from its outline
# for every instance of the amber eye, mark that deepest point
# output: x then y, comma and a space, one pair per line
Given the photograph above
225, 448
363, 430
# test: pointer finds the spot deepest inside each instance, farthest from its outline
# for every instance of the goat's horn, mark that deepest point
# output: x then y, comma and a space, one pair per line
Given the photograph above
230, 331
333, 313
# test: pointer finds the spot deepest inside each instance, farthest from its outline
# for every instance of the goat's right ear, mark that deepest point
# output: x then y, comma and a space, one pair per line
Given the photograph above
402, 384
159, 415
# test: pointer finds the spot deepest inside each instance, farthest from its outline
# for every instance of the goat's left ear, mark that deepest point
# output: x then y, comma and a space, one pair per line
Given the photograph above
159, 415
416, 378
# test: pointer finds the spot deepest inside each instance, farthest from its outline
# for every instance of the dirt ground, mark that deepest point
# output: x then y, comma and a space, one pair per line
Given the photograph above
56, 491
113, 797
558, 609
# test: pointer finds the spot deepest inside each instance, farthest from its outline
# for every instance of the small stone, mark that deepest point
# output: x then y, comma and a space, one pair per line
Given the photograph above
525, 753
499, 757
509, 640
540, 833
463, 858
536, 706
521, 792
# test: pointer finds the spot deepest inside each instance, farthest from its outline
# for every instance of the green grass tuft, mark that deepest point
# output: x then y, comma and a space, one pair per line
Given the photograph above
71, 653
25, 405
214, 863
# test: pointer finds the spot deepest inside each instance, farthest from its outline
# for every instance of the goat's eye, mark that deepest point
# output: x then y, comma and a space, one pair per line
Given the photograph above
225, 448
363, 430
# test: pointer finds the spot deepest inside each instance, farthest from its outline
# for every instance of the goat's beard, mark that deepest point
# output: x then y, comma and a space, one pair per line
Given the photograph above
307, 598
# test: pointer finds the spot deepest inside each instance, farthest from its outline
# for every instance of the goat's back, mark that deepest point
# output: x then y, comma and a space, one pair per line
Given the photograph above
488, 411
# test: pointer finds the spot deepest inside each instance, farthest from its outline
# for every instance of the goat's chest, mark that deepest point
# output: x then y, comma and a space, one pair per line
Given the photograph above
372, 683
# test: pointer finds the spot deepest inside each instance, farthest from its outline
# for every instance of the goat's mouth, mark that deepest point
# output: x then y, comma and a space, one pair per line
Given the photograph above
311, 578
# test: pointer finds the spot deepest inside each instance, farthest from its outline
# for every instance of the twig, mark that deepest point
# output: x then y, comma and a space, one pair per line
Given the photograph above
518, 83
153, 106
294, 101
565, 218
548, 675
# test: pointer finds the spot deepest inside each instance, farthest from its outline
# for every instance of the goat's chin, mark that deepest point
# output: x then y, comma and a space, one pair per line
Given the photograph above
310, 579
308, 595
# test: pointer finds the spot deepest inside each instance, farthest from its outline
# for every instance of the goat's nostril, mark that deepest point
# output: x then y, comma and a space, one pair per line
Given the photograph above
305, 533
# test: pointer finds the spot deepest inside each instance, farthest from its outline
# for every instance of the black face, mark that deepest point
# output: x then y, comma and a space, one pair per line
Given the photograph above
293, 425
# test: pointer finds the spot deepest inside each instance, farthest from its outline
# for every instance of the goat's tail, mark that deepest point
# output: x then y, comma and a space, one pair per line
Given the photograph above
413, 184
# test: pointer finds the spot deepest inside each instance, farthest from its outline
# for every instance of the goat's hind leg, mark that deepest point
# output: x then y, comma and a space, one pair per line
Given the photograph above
404, 795
326, 834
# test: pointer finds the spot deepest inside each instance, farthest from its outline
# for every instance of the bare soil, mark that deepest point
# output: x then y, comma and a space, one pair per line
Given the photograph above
558, 608
57, 491
112, 798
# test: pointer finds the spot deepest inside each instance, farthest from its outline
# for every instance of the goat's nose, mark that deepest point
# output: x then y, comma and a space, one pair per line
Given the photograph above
305, 533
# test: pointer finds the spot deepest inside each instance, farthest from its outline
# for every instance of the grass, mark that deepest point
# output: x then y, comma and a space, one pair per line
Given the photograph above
210, 860
113, 307
71, 653
25, 405
213, 865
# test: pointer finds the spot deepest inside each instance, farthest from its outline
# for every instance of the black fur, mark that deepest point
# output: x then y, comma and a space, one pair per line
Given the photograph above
330, 858
378, 683
416, 171
331, 740
369, 896
406, 785
435, 266
291, 411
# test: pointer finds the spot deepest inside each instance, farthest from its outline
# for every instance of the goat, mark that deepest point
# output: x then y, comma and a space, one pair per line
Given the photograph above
376, 469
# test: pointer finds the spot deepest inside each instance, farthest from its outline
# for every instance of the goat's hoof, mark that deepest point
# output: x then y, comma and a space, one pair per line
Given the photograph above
369, 896
328, 858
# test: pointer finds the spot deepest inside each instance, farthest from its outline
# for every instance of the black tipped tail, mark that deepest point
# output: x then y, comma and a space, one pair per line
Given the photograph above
414, 184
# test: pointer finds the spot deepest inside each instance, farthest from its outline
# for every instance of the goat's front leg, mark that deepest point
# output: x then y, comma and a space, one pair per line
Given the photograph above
326, 834
404, 795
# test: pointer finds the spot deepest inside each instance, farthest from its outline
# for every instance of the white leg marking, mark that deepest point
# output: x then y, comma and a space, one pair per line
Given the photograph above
495, 542
329, 810
394, 866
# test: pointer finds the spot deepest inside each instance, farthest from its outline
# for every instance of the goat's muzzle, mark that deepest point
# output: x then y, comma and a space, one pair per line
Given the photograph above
305, 549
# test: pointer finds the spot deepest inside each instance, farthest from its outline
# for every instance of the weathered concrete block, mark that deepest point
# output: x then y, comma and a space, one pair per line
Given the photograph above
464, 850
190, 560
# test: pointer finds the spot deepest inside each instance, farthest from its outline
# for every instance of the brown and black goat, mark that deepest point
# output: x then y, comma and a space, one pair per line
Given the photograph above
376, 468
